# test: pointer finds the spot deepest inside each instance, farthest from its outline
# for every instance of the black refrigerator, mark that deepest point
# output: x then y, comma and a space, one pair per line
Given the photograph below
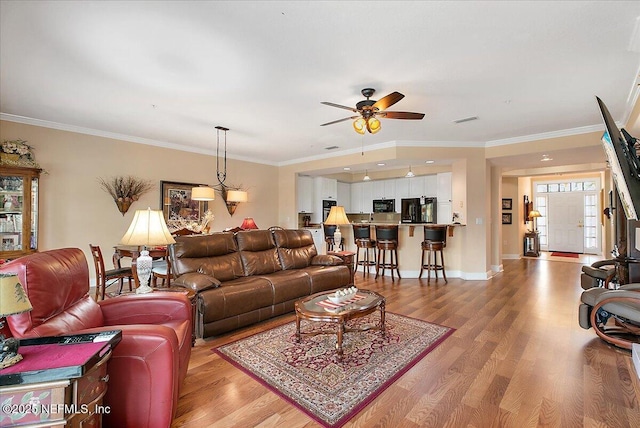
419, 210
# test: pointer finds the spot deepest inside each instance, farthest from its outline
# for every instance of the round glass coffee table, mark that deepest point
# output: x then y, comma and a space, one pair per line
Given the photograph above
317, 307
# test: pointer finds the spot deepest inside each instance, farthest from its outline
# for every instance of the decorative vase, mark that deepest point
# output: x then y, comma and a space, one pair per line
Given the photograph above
7, 205
123, 206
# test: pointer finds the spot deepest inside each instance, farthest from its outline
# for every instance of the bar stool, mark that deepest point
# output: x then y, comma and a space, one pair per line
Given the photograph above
362, 239
387, 240
329, 239
435, 239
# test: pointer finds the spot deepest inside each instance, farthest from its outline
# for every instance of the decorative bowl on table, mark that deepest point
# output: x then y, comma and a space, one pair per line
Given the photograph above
342, 295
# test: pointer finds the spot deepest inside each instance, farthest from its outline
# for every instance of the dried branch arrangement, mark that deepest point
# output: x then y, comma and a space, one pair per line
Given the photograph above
125, 190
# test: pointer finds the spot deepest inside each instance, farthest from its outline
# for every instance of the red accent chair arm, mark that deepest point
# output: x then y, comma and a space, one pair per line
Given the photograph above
143, 377
153, 308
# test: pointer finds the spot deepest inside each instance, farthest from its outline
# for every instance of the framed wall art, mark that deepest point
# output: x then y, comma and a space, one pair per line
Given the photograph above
507, 203
177, 205
507, 218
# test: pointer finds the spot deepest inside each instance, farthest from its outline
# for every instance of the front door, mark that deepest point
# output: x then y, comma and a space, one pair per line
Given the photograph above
566, 222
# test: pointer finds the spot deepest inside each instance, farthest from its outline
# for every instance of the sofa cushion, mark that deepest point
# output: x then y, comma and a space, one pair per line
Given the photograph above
258, 252
295, 248
235, 297
196, 281
216, 255
289, 285
223, 268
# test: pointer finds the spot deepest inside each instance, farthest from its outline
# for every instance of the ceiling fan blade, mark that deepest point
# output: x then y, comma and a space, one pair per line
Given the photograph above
388, 101
339, 106
340, 120
400, 115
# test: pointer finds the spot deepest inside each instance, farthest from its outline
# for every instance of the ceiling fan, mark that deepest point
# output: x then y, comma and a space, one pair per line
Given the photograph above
367, 110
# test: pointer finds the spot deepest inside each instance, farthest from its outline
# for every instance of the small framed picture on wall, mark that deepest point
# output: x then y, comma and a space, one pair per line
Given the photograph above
507, 203
506, 218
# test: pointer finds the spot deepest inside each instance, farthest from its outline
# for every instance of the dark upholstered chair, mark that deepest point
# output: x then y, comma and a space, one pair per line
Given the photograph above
150, 362
387, 241
435, 239
600, 274
363, 241
613, 314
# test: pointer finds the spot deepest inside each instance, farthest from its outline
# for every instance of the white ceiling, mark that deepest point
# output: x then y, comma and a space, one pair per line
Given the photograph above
167, 73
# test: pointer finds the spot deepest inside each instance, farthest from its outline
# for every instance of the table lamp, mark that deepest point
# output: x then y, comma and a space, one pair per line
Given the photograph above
533, 214
13, 300
337, 216
147, 229
249, 224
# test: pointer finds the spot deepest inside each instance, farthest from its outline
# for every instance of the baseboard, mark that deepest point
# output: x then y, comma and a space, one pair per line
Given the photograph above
635, 356
511, 256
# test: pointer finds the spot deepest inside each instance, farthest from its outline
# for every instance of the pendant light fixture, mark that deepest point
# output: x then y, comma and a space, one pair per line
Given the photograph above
230, 195
366, 176
410, 173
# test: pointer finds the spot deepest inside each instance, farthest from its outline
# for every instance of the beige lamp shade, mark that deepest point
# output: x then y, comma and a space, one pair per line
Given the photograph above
13, 299
534, 213
147, 228
202, 193
236, 196
337, 216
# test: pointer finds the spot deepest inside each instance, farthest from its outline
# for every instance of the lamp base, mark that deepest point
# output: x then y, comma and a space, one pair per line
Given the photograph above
144, 289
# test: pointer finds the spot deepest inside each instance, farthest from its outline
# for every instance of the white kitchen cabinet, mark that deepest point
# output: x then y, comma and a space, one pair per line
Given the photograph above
444, 193
344, 195
326, 188
430, 186
304, 193
383, 189
362, 197
389, 189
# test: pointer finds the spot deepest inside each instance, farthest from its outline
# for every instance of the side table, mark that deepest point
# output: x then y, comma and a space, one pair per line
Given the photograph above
532, 244
58, 384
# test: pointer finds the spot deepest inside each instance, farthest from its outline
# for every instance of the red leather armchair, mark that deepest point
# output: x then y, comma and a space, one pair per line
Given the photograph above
149, 364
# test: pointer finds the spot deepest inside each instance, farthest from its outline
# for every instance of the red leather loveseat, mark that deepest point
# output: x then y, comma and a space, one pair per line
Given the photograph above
148, 365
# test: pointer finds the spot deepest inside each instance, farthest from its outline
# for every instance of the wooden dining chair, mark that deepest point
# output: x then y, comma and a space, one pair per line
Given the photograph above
105, 278
161, 269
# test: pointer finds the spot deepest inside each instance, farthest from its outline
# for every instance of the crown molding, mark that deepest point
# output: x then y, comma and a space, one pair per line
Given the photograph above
122, 137
546, 135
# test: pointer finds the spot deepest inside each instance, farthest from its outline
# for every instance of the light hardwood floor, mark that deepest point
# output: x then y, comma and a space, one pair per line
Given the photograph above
517, 359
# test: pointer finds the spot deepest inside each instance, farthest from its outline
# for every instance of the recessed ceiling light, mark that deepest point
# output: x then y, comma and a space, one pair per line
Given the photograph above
346, 168
381, 164
545, 158
429, 161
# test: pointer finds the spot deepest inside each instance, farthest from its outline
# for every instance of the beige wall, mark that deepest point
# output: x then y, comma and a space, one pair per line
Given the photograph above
75, 211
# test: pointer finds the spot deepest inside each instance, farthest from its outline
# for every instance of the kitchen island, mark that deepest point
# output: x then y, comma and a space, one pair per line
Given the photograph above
410, 237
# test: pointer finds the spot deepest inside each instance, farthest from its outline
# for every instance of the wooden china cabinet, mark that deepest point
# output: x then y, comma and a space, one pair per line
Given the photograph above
18, 211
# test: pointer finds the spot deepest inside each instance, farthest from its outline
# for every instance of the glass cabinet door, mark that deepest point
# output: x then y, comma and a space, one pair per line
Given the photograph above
18, 211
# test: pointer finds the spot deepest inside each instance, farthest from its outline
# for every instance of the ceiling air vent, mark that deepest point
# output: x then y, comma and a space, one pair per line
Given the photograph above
331, 148
466, 119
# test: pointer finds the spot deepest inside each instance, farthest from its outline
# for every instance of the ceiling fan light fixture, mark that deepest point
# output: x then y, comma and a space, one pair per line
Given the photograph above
359, 125
373, 125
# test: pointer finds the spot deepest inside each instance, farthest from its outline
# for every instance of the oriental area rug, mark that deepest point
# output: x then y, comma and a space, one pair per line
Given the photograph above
310, 375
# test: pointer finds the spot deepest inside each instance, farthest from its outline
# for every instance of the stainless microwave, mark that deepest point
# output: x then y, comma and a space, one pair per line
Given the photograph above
384, 205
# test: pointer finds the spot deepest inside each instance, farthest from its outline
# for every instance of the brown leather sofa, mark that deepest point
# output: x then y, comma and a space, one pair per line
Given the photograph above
249, 276
150, 362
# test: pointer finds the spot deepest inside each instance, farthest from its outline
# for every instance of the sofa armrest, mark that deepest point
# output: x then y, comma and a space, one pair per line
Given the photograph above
152, 308
326, 260
143, 374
